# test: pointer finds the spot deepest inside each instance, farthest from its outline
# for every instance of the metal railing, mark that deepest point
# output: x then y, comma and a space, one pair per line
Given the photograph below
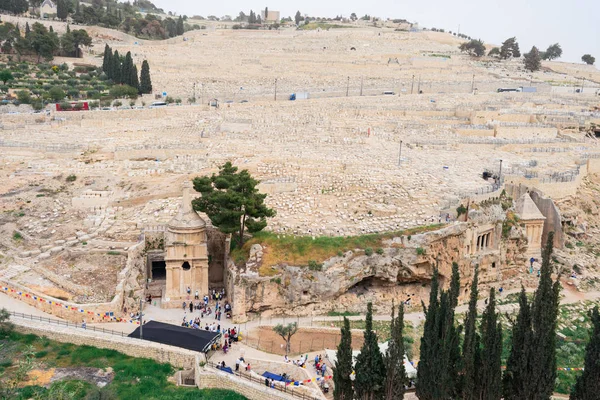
301, 394
66, 323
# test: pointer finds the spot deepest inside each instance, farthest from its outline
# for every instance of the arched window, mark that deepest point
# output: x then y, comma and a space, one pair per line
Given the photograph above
186, 266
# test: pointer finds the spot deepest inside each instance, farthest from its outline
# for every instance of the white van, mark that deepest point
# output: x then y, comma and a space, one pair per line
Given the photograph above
157, 104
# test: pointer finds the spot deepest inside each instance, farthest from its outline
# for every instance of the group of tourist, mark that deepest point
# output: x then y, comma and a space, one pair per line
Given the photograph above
320, 365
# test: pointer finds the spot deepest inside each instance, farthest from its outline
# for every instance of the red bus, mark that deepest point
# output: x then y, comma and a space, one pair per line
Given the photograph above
75, 106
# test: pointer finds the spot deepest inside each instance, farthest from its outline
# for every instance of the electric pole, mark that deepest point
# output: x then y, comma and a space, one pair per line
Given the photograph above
500, 174
347, 86
141, 318
419, 85
473, 84
275, 89
400, 154
412, 85
361, 85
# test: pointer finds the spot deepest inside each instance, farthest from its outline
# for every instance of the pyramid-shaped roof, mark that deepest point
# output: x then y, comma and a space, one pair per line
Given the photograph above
527, 209
187, 217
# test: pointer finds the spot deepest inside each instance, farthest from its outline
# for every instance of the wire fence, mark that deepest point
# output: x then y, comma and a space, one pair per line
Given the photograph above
291, 389
66, 323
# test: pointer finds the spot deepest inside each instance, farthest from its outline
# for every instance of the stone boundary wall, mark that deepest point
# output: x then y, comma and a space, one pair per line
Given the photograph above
180, 358
93, 312
206, 379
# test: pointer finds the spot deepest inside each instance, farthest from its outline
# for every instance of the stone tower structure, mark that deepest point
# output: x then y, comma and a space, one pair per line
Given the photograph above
533, 219
186, 255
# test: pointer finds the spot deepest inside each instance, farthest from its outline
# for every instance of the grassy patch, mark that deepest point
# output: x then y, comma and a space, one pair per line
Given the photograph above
342, 314
299, 250
135, 378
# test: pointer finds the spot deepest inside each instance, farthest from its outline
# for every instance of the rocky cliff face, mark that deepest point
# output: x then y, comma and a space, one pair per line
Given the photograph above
402, 272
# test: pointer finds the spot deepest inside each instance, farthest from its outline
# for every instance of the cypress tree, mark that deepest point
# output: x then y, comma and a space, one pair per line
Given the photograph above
145, 82
126, 69
116, 67
134, 78
489, 380
27, 29
516, 385
531, 367
544, 322
394, 359
343, 366
587, 386
106, 60
370, 370
452, 340
470, 348
180, 27
440, 353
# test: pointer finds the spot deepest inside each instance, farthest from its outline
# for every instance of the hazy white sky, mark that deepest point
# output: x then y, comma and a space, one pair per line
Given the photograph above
575, 24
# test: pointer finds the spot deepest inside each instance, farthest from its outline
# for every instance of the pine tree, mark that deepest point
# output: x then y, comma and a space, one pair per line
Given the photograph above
116, 67
343, 365
533, 60
394, 359
145, 82
370, 370
106, 61
587, 386
470, 350
489, 382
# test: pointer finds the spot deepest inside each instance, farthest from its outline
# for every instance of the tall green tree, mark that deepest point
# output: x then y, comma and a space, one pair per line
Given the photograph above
515, 385
106, 61
298, 18
588, 59
134, 78
232, 201
145, 81
587, 386
510, 48
553, 51
369, 368
395, 378
440, 352
470, 350
62, 9
489, 372
531, 366
116, 68
544, 322
126, 69
533, 60
180, 27
343, 389
5, 76
474, 47
42, 42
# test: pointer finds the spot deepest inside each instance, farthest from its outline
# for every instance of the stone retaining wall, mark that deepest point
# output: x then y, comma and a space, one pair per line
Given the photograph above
206, 379
175, 356
93, 312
